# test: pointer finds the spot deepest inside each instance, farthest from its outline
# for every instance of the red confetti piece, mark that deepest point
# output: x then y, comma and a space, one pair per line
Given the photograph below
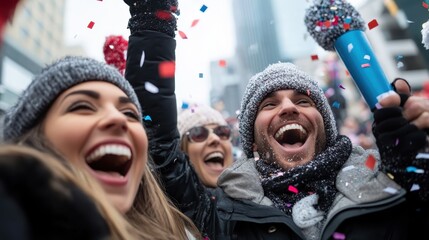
335, 22
91, 25
292, 189
372, 24
319, 23
370, 162
222, 63
341, 86
166, 69
347, 73
327, 23
314, 57
163, 15
346, 26
425, 5
194, 22
365, 65
183, 35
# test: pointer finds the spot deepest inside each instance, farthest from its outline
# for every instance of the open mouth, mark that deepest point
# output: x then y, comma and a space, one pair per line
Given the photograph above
291, 135
215, 158
113, 159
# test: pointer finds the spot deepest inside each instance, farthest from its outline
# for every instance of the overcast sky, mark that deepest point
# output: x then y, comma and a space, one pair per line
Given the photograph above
211, 39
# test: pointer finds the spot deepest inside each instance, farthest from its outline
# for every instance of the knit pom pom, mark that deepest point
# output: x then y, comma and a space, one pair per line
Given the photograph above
425, 34
114, 50
327, 20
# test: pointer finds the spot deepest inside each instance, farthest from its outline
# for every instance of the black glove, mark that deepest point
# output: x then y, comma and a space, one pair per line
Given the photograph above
156, 15
399, 142
394, 134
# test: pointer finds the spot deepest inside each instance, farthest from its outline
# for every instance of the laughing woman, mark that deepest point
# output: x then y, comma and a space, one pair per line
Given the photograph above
86, 114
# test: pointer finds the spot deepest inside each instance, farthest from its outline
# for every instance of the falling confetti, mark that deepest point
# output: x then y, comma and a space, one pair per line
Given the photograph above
346, 26
372, 24
142, 59
166, 69
400, 65
425, 5
163, 15
367, 57
370, 162
342, 87
150, 87
350, 47
91, 25
203, 8
182, 35
292, 189
200, 75
348, 168
185, 105
339, 236
222, 63
422, 155
314, 57
194, 22
336, 105
390, 190
365, 65
147, 118
415, 187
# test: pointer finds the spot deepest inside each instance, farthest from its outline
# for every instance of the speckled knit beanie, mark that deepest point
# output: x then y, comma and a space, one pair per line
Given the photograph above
275, 77
54, 79
198, 115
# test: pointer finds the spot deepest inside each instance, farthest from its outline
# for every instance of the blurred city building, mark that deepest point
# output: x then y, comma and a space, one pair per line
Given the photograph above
273, 30
33, 38
267, 32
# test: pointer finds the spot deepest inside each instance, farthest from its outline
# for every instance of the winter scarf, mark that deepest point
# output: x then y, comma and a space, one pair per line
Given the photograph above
284, 189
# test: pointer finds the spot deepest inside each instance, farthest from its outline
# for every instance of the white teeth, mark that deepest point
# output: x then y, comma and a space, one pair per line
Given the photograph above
290, 127
214, 154
115, 149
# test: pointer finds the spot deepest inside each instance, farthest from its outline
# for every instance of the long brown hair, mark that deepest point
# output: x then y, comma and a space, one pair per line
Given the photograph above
152, 216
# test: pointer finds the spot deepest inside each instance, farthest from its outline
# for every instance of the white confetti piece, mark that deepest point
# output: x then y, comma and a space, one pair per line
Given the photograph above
422, 155
348, 168
425, 35
390, 190
415, 187
350, 47
418, 170
400, 65
142, 59
150, 87
367, 57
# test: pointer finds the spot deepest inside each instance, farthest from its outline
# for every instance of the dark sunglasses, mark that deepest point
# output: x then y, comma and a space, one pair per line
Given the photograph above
200, 134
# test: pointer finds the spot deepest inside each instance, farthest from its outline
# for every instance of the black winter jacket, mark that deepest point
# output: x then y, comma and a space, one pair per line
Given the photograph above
215, 213
36, 205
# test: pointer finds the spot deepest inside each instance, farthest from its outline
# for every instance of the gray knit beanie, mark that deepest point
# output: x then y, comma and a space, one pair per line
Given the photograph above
275, 77
54, 79
198, 115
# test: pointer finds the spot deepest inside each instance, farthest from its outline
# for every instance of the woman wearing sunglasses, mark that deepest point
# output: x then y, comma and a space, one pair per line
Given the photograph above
205, 138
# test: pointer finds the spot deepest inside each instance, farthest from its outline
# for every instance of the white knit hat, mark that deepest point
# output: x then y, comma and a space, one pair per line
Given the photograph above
198, 115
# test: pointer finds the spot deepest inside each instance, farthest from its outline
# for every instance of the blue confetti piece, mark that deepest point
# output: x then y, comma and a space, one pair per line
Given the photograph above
200, 75
348, 20
411, 169
336, 104
203, 8
147, 118
185, 105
